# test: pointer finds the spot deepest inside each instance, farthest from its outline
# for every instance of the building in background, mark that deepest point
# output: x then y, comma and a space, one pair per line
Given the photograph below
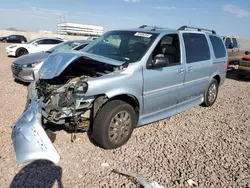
79, 29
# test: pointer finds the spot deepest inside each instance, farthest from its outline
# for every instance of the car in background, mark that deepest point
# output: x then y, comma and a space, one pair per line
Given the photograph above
236, 48
13, 39
26, 68
244, 66
32, 46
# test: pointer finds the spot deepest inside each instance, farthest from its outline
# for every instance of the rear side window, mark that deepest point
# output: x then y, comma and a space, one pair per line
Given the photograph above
235, 43
218, 46
196, 46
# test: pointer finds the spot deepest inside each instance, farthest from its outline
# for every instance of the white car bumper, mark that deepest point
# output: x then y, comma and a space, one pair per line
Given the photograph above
10, 51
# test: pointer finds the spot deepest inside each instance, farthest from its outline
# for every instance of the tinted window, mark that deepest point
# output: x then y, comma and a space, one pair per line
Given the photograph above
80, 47
196, 46
12, 37
54, 41
42, 41
218, 46
227, 42
235, 43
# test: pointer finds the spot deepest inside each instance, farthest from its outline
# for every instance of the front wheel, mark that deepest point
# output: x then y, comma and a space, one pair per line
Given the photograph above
211, 94
114, 124
21, 52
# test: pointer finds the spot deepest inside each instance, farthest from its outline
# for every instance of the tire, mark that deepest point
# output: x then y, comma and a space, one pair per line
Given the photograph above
211, 94
4, 41
102, 126
21, 52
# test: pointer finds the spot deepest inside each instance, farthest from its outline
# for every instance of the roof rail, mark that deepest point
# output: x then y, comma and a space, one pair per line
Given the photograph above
198, 29
153, 27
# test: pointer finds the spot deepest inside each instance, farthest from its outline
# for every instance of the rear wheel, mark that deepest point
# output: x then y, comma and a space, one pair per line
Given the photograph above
211, 93
114, 124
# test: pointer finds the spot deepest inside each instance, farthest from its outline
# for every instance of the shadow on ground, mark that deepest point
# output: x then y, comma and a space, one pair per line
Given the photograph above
233, 74
38, 174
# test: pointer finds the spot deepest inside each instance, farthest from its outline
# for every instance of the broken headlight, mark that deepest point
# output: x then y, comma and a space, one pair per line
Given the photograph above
81, 87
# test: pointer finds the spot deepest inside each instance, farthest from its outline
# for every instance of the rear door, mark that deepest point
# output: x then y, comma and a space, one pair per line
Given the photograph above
197, 69
235, 50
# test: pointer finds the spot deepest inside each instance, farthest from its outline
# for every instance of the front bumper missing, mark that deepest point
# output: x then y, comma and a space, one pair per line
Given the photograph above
30, 140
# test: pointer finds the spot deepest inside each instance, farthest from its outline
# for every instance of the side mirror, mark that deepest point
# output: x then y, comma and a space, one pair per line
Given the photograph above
230, 46
247, 52
35, 44
159, 62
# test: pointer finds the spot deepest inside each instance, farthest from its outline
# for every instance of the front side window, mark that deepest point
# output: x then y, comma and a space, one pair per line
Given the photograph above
129, 46
12, 37
218, 46
31, 41
235, 43
80, 47
196, 47
42, 42
168, 47
54, 41
227, 42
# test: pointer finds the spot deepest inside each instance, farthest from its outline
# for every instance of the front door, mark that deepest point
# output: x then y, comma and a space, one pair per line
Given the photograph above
162, 86
198, 69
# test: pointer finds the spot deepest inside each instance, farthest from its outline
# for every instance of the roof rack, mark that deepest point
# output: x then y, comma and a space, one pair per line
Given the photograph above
198, 29
153, 27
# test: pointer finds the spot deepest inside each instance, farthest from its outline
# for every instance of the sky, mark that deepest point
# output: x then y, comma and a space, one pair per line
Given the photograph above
226, 17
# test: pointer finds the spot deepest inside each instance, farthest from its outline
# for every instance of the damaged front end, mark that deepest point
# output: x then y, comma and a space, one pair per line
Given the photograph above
29, 137
57, 98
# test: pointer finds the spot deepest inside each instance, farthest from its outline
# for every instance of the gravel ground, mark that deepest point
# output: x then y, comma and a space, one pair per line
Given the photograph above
208, 145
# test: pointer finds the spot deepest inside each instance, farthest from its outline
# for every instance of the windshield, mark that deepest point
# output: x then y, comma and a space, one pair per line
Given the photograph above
30, 41
127, 46
64, 46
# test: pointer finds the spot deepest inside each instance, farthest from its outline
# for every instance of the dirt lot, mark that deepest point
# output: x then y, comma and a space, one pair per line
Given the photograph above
208, 145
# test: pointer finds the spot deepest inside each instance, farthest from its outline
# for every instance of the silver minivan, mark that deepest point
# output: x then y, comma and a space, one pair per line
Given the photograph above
122, 80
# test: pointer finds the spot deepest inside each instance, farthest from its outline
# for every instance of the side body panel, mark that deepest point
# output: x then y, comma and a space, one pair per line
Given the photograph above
197, 79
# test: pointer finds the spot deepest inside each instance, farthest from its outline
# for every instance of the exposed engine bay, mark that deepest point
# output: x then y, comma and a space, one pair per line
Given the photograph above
64, 96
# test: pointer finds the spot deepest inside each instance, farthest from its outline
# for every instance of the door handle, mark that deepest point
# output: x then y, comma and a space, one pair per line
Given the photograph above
181, 70
190, 69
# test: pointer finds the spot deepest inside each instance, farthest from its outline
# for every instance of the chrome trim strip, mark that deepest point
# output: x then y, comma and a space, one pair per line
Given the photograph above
161, 89
196, 80
173, 86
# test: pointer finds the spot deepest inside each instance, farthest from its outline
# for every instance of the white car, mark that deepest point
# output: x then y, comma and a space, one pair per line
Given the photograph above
32, 46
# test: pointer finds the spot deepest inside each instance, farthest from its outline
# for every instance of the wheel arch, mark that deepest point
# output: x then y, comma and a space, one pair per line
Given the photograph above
128, 98
217, 78
21, 48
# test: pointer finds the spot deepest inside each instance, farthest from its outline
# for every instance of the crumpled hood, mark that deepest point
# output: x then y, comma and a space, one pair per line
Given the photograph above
57, 62
31, 58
